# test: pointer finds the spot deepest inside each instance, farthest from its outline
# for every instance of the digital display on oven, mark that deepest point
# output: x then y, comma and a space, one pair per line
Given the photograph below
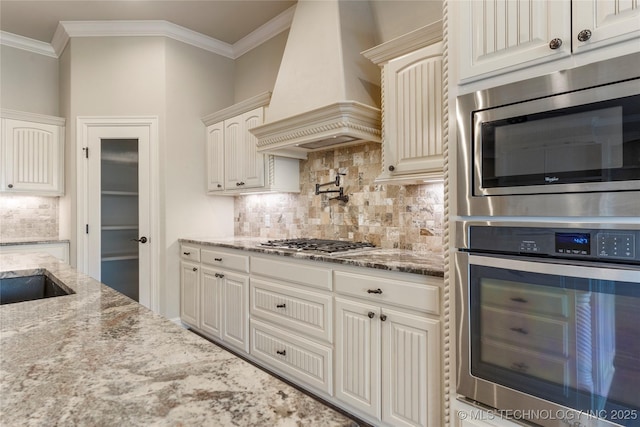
573, 243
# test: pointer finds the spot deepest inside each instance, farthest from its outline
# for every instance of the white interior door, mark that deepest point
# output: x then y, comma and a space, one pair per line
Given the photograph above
118, 239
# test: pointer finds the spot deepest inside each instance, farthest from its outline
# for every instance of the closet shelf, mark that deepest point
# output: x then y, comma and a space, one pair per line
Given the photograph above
119, 193
118, 227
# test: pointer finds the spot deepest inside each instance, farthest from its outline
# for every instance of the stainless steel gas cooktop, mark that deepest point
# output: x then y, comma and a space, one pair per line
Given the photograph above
320, 246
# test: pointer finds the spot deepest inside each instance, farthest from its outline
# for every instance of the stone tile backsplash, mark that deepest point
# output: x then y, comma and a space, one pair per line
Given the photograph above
389, 216
28, 217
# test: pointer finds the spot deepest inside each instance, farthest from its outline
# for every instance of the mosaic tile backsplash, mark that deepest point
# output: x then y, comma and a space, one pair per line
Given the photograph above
28, 217
389, 216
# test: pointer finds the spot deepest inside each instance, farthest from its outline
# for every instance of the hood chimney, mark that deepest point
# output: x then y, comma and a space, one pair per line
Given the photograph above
326, 93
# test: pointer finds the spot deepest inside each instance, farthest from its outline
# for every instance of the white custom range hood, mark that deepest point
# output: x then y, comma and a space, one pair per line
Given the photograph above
326, 93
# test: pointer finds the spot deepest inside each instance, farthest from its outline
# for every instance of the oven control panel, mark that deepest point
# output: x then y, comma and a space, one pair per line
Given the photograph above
594, 244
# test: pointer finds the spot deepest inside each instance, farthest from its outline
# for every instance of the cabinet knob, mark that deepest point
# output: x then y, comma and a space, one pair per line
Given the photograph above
383, 317
374, 291
584, 35
219, 185
282, 353
392, 168
10, 185
281, 305
555, 43
218, 259
195, 268
371, 314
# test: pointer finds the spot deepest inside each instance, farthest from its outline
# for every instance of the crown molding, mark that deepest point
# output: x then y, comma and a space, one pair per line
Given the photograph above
68, 29
25, 43
419, 38
260, 100
263, 33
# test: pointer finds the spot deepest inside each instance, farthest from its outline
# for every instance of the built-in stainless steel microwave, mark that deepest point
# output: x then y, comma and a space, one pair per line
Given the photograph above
565, 144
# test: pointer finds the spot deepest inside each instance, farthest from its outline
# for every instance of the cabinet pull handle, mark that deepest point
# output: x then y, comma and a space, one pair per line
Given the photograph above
555, 44
195, 268
584, 35
187, 253
518, 299
281, 305
219, 185
383, 317
374, 291
238, 184
520, 331
218, 259
282, 353
219, 275
371, 314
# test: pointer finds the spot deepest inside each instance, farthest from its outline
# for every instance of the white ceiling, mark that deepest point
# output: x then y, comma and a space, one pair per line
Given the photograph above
224, 20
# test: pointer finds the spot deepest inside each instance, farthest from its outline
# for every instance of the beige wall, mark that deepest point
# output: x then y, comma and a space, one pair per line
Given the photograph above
155, 76
28, 81
398, 17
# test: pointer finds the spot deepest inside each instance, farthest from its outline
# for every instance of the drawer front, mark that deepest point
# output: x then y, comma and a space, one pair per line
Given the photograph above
532, 332
226, 260
298, 309
416, 296
292, 271
192, 253
524, 298
306, 361
554, 369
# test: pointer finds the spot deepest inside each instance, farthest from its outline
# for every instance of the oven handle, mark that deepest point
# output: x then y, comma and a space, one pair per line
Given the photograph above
579, 269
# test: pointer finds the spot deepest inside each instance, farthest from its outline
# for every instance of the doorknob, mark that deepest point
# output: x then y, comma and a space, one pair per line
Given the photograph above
141, 240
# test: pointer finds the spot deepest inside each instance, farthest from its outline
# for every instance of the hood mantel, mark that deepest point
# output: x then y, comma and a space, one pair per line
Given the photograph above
326, 92
346, 122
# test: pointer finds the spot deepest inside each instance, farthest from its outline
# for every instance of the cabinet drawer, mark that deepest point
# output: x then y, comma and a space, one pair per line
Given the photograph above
524, 297
554, 369
298, 309
532, 332
296, 357
226, 260
415, 296
292, 271
189, 252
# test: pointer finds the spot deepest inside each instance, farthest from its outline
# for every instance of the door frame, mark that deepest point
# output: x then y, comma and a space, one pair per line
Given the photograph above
148, 297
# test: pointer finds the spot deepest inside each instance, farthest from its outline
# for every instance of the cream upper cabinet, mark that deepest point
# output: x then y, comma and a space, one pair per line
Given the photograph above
503, 36
234, 165
32, 153
215, 157
412, 106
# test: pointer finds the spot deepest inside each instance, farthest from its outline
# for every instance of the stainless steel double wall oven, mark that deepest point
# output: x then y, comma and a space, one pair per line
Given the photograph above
548, 247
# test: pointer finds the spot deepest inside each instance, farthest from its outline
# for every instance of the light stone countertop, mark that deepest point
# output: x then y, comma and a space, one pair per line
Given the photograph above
431, 264
30, 241
98, 358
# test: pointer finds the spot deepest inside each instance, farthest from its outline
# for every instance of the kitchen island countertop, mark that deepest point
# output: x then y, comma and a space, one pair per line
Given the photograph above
429, 264
99, 358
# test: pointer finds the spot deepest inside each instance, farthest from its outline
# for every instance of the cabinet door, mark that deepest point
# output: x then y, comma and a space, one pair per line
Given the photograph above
190, 293
215, 157
211, 303
500, 36
252, 161
232, 153
235, 306
609, 21
410, 370
358, 355
413, 112
33, 155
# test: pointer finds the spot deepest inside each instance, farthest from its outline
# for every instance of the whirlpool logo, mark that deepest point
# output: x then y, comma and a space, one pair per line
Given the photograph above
551, 179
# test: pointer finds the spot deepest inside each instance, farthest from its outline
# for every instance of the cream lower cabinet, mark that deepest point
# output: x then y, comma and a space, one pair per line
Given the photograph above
215, 295
388, 359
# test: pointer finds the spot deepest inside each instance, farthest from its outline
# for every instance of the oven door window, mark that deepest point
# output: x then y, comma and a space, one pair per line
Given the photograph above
569, 340
590, 143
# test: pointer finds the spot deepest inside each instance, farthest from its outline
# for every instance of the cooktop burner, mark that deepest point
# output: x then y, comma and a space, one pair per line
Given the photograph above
317, 245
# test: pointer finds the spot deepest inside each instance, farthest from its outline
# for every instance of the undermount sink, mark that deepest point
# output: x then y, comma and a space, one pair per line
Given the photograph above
28, 288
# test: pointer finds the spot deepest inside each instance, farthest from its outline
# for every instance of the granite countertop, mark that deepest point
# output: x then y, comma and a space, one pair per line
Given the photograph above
430, 264
30, 241
99, 358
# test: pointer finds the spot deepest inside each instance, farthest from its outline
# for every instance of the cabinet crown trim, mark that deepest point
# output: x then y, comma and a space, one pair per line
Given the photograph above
422, 37
32, 117
234, 110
